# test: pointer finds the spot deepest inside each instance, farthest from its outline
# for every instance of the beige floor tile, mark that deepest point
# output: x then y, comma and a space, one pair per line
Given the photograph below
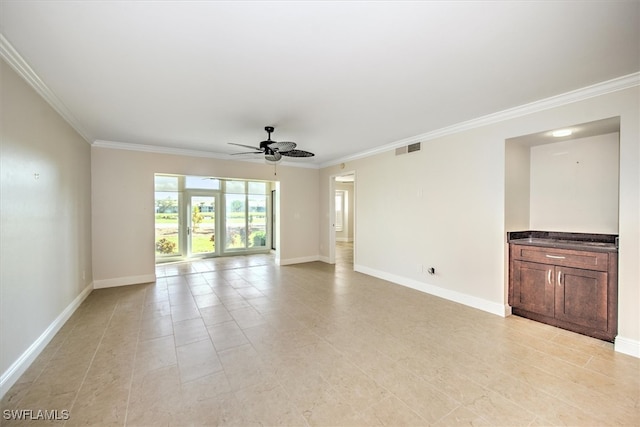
155, 327
331, 410
155, 354
215, 314
207, 387
391, 411
207, 300
463, 417
102, 400
222, 410
156, 398
156, 309
241, 341
266, 402
247, 317
545, 406
186, 311
189, 331
226, 335
500, 411
197, 359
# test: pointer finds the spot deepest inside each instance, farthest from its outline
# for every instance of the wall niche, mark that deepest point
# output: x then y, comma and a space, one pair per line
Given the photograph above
568, 183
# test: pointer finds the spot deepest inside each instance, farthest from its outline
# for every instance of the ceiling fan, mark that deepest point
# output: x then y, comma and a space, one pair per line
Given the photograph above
274, 150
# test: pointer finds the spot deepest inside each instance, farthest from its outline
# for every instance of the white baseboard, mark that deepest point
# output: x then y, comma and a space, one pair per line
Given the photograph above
11, 375
468, 300
627, 346
298, 260
344, 239
123, 281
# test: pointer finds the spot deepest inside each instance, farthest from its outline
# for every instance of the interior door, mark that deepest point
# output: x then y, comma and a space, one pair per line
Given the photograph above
201, 231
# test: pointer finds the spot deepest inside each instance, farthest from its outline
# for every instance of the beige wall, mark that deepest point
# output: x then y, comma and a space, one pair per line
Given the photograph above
445, 208
517, 184
574, 185
123, 208
45, 206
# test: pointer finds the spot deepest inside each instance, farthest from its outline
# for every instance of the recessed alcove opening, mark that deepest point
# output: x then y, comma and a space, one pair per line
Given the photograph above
568, 184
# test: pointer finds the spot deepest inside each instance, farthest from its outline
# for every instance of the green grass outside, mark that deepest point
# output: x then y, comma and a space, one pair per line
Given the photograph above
201, 243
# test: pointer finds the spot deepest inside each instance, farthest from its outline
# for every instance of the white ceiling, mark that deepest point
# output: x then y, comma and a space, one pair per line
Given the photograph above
338, 78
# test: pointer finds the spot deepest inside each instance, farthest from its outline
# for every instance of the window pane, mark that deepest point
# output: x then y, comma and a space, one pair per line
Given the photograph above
257, 221
235, 187
257, 187
166, 183
236, 236
202, 183
166, 223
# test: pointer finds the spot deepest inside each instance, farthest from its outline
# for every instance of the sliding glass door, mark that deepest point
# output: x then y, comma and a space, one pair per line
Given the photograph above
201, 231
204, 217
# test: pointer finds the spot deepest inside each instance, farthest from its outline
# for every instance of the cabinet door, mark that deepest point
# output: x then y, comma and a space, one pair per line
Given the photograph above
533, 288
581, 297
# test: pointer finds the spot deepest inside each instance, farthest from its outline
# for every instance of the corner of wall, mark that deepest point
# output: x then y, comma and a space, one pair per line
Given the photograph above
627, 346
13, 373
124, 281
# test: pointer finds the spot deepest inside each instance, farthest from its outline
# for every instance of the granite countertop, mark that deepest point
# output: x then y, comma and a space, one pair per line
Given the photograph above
560, 240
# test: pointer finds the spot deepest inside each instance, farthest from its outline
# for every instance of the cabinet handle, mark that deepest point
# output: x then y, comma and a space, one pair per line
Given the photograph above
549, 276
560, 278
554, 256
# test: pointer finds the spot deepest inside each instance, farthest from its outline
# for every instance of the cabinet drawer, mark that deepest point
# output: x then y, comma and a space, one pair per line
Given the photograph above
564, 257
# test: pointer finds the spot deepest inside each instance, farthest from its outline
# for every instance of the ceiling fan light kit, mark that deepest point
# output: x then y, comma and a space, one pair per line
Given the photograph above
274, 150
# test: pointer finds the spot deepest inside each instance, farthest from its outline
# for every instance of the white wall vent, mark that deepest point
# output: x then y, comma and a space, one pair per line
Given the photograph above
401, 150
408, 149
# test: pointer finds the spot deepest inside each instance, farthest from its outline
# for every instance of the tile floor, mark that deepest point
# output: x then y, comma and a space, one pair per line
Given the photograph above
239, 341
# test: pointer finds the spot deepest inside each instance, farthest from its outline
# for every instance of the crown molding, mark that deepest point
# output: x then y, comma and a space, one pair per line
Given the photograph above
191, 153
613, 85
155, 149
17, 62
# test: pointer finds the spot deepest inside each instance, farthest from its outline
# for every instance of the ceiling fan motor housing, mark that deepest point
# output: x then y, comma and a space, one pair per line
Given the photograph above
264, 145
274, 150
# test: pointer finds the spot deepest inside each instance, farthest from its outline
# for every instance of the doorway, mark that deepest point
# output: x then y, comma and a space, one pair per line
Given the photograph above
342, 219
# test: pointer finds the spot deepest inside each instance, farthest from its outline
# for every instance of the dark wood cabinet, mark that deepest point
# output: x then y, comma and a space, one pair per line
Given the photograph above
533, 289
571, 289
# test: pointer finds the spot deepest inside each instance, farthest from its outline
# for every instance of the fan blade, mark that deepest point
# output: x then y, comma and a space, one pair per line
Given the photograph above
282, 146
297, 153
273, 157
247, 152
246, 146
